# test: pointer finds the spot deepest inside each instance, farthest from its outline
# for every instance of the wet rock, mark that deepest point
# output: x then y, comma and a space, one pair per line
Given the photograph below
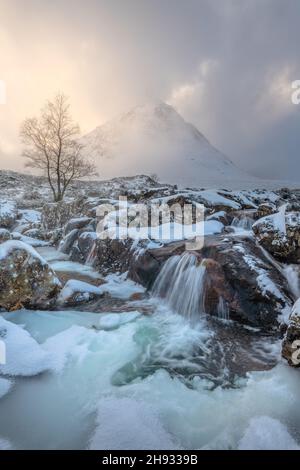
77, 223
279, 234
83, 246
68, 241
239, 281
145, 265
291, 342
26, 280
238, 273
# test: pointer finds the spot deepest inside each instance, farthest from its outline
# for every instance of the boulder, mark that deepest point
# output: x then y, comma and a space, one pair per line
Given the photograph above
75, 292
68, 241
26, 280
77, 223
145, 265
265, 209
279, 234
34, 233
4, 235
291, 342
83, 246
111, 255
239, 279
57, 214
8, 213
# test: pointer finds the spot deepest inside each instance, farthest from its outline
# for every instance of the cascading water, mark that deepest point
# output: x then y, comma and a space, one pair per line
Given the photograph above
242, 223
92, 255
291, 273
181, 283
222, 309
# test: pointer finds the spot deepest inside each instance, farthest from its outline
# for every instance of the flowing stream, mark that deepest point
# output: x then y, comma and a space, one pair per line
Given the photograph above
133, 381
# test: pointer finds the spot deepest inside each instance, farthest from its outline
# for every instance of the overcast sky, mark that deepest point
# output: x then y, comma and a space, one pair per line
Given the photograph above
225, 65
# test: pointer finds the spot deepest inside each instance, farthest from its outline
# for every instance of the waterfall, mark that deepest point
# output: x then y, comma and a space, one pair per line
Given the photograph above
291, 273
181, 283
243, 223
92, 255
222, 309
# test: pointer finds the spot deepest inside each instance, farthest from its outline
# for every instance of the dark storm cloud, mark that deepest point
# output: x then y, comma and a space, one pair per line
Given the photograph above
227, 66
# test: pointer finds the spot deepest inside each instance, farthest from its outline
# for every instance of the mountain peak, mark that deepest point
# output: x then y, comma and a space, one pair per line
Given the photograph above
155, 138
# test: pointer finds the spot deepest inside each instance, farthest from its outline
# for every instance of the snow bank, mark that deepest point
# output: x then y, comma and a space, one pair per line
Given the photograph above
265, 433
24, 356
119, 287
30, 216
127, 424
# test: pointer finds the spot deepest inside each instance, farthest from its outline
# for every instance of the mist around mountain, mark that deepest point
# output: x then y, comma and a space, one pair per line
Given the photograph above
155, 139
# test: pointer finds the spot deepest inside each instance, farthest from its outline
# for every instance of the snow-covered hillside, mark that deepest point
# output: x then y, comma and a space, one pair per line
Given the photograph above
155, 139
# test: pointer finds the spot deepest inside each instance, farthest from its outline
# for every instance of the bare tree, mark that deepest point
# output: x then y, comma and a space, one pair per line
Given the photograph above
52, 146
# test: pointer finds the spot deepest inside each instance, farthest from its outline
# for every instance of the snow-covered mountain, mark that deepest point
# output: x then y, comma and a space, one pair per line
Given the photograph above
155, 139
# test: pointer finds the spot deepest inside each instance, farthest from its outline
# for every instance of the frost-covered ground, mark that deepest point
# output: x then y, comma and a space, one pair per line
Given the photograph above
114, 383
116, 366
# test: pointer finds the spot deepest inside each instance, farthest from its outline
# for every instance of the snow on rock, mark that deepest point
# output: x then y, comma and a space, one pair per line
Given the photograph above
57, 214
265, 433
8, 213
280, 234
34, 242
24, 356
77, 291
119, 287
25, 277
29, 216
4, 235
77, 223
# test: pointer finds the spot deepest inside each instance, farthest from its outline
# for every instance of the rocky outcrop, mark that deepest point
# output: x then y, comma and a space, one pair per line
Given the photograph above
279, 234
291, 342
26, 280
239, 278
238, 273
